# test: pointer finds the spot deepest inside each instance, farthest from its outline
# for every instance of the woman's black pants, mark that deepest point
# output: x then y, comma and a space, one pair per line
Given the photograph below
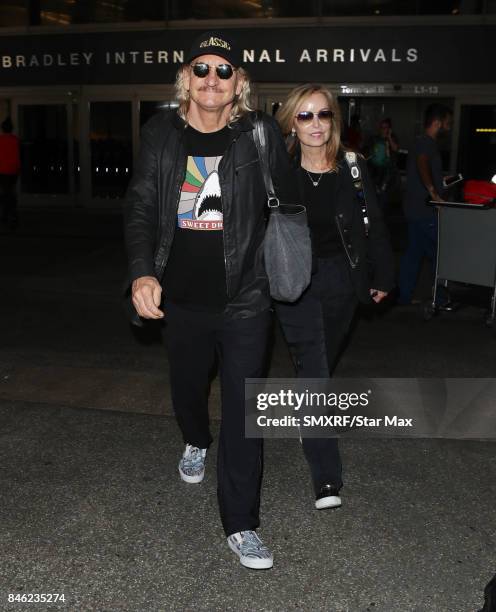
315, 328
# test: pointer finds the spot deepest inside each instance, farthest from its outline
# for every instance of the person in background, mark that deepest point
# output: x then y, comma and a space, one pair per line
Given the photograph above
382, 151
424, 182
316, 325
353, 134
10, 168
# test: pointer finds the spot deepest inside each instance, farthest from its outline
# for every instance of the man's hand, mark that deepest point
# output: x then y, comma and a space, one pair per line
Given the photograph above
435, 197
147, 294
426, 176
377, 295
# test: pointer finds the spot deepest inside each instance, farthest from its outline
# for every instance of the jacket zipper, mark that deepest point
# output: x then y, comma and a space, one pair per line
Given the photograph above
340, 230
253, 161
171, 232
221, 199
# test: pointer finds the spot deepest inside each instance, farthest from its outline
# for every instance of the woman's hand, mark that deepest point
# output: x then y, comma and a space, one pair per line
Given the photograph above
377, 295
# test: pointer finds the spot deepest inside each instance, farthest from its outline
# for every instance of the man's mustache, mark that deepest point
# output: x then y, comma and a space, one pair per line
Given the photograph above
214, 89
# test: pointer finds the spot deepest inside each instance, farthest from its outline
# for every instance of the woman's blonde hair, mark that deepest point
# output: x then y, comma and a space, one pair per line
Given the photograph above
240, 107
287, 112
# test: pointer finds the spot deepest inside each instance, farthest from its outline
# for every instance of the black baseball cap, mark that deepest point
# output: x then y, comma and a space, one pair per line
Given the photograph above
215, 43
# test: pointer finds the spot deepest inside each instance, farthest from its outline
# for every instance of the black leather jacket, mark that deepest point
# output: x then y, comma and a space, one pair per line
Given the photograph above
370, 257
153, 195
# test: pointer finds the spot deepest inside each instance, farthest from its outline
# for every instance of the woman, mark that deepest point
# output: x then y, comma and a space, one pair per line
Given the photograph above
317, 324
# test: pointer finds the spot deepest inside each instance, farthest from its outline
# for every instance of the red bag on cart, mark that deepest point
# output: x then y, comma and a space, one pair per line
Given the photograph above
479, 192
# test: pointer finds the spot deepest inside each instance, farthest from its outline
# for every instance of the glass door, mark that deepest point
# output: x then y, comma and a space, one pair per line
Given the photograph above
111, 148
111, 119
477, 141
49, 134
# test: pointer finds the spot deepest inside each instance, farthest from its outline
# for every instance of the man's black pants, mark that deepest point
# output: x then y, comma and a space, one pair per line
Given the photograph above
194, 339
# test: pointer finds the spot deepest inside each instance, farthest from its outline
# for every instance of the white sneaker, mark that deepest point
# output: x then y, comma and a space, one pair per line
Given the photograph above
250, 549
328, 497
192, 464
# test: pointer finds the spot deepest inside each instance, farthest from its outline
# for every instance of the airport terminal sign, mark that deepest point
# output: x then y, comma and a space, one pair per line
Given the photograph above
401, 54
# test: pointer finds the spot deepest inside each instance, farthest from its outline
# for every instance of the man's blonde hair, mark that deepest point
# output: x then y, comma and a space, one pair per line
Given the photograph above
241, 104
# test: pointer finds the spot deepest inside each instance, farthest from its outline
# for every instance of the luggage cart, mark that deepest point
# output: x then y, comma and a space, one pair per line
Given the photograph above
466, 249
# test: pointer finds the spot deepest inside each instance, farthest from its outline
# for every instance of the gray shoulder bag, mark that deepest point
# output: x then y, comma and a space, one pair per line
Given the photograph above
287, 246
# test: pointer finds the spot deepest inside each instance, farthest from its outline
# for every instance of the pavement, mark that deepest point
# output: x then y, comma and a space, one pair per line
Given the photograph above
92, 504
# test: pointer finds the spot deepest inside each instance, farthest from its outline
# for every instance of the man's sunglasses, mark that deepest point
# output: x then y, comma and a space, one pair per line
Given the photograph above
224, 71
307, 116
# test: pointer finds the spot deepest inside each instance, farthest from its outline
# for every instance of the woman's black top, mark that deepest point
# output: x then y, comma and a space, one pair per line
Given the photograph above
321, 210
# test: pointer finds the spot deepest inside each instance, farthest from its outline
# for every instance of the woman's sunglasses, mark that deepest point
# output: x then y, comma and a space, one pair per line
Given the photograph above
224, 71
307, 116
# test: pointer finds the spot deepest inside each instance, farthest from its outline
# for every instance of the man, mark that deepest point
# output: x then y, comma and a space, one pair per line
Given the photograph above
383, 148
10, 167
424, 182
195, 223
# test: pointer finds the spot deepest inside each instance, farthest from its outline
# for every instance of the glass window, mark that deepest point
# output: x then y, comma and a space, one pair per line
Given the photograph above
368, 7
13, 13
448, 7
43, 132
401, 7
111, 148
4, 109
477, 144
236, 9
75, 141
62, 12
286, 8
468, 7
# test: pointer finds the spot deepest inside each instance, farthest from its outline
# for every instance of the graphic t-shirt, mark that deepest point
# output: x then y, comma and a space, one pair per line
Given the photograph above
195, 275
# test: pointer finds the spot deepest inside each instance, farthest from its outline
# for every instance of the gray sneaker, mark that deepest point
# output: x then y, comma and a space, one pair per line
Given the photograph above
250, 549
192, 464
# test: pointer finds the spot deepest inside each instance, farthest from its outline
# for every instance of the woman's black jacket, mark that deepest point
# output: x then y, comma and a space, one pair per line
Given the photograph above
370, 257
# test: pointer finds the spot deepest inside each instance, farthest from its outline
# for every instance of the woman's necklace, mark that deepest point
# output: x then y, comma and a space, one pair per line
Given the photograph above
316, 183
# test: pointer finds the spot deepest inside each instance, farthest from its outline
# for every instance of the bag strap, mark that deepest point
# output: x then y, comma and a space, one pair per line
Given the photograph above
259, 137
356, 177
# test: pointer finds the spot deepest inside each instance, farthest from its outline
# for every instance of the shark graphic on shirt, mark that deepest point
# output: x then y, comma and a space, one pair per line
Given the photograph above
200, 204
